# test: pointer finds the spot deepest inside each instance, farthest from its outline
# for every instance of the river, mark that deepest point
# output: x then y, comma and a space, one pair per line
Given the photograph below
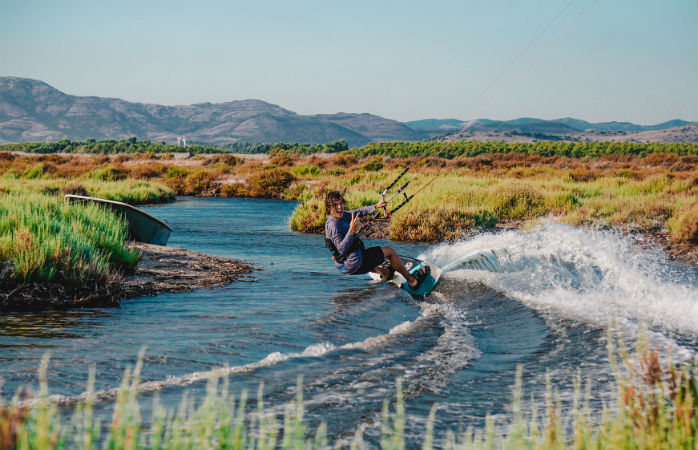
541, 299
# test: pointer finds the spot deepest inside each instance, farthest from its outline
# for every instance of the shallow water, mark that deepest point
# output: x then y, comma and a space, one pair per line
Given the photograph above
540, 299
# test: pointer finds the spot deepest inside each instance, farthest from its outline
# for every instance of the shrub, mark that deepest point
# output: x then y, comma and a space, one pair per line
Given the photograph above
517, 202
373, 165
345, 159
228, 160
74, 188
295, 192
435, 224
306, 170
147, 171
309, 217
269, 183
683, 225
198, 183
175, 172
334, 172
109, 173
232, 190
280, 157
582, 174
35, 171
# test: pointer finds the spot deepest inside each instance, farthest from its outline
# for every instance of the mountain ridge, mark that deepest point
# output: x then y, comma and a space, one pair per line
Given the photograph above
526, 124
32, 110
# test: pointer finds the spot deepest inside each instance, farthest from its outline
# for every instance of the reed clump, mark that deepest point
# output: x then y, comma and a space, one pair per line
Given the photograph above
45, 238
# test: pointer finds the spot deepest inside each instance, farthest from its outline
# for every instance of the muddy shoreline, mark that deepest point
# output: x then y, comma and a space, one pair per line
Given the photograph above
161, 269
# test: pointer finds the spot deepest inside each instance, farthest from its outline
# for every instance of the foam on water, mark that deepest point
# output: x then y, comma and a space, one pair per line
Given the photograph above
592, 275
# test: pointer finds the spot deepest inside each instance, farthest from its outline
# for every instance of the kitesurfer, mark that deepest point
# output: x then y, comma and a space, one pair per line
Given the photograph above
348, 251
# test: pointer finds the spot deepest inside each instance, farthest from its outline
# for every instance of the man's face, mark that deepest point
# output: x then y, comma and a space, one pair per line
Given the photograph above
337, 209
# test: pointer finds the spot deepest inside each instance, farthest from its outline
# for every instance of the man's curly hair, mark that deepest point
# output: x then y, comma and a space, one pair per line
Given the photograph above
331, 198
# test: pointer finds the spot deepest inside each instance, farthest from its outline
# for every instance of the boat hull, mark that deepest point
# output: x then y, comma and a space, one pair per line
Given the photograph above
141, 226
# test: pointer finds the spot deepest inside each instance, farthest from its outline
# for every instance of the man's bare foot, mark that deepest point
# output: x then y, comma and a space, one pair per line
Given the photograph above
418, 278
385, 272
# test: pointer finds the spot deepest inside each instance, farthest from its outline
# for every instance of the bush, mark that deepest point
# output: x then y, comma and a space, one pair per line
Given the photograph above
683, 225
280, 157
306, 170
335, 172
35, 171
74, 189
517, 202
198, 183
147, 171
309, 217
373, 165
435, 224
175, 172
269, 183
109, 173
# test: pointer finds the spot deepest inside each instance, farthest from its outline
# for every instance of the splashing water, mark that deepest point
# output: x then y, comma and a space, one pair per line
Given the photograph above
582, 274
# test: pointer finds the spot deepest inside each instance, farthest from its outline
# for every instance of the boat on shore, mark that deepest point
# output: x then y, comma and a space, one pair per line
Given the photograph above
141, 226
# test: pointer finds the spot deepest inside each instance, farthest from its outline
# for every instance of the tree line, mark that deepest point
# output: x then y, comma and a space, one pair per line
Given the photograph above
451, 150
133, 145
447, 150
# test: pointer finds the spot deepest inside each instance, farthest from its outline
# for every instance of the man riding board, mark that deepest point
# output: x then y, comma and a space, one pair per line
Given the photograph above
348, 251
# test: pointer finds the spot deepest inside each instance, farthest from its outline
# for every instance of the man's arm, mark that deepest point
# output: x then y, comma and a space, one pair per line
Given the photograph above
343, 243
366, 210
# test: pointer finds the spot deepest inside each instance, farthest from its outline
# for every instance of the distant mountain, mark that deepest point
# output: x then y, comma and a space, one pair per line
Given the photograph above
564, 126
31, 110
435, 124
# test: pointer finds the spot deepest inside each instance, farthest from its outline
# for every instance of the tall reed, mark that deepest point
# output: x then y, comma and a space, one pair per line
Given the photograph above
46, 238
653, 407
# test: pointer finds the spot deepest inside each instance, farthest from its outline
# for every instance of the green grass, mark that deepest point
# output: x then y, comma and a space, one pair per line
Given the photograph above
461, 199
45, 238
135, 192
653, 406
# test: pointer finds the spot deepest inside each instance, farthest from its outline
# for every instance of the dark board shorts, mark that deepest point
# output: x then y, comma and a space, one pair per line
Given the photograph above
372, 257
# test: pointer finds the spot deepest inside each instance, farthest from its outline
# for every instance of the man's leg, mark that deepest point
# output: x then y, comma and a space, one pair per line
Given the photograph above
397, 264
384, 271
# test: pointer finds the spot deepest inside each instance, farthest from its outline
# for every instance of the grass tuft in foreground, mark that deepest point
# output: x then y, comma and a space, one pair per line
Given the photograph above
654, 407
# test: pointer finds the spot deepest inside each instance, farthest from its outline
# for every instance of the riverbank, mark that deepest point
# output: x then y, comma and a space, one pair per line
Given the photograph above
646, 191
161, 269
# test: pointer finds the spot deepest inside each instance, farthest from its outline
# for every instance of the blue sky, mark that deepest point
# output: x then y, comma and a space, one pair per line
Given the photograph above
404, 60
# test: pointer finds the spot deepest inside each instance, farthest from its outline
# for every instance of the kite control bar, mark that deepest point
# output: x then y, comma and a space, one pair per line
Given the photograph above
365, 226
407, 199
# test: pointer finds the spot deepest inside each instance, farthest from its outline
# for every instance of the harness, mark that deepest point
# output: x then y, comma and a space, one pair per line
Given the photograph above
339, 257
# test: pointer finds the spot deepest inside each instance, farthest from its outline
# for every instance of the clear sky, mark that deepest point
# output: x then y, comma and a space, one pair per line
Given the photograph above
625, 60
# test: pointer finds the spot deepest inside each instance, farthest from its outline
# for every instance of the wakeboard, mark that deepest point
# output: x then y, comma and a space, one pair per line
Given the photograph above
413, 265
